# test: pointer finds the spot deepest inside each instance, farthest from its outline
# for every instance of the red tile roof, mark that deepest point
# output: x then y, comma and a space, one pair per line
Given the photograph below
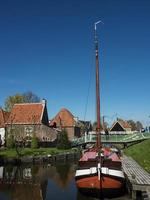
26, 113
63, 118
3, 118
124, 124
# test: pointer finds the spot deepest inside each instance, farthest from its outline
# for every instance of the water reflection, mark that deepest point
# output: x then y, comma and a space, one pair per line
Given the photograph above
36, 182
19, 183
39, 182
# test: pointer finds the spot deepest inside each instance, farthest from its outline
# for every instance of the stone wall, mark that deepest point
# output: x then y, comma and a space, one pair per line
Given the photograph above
43, 132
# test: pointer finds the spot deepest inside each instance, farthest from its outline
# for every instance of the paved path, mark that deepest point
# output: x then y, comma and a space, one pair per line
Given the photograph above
137, 176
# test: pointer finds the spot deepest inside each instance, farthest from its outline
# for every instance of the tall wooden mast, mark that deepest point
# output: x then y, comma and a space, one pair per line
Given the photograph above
97, 88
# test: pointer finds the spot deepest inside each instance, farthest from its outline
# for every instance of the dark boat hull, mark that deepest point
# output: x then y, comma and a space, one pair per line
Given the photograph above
105, 184
103, 193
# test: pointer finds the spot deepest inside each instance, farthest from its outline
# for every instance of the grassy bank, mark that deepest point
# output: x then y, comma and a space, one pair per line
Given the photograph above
11, 153
141, 153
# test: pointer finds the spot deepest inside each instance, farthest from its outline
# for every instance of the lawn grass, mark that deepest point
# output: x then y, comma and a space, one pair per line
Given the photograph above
11, 153
141, 153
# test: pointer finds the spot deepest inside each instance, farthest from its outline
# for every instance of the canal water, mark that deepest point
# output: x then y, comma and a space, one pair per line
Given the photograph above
41, 182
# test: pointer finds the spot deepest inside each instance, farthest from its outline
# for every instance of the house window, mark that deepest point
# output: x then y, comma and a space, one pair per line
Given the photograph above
28, 129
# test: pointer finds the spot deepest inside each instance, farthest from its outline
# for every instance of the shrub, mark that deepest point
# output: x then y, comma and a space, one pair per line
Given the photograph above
63, 141
10, 142
34, 143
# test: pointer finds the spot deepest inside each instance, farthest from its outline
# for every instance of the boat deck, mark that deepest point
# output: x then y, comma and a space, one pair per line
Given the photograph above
137, 177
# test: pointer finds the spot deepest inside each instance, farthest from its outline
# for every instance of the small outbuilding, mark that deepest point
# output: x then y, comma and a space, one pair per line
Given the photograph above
120, 127
64, 119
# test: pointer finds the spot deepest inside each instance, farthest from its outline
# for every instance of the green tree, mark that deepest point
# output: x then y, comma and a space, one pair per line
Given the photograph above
132, 124
63, 141
15, 140
30, 97
27, 97
11, 100
34, 142
10, 142
139, 126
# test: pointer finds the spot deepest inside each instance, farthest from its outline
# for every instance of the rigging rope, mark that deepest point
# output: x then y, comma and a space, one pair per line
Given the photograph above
88, 91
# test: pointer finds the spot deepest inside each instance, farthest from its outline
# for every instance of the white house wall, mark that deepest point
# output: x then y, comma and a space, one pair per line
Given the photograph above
2, 133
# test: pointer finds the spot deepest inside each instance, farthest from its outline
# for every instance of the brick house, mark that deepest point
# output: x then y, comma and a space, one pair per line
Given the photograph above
3, 118
27, 119
65, 120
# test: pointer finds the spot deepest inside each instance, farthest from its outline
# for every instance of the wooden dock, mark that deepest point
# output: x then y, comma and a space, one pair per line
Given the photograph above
138, 180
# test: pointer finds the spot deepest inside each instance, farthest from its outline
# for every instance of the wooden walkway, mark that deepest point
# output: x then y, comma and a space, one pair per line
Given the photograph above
137, 178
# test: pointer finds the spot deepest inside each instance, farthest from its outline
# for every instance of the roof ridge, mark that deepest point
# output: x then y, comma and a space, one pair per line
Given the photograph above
27, 103
64, 114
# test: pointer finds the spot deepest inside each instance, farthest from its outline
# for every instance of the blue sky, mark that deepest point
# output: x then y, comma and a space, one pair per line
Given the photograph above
46, 46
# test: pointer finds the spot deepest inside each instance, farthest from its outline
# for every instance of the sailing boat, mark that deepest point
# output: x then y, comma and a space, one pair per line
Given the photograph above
95, 174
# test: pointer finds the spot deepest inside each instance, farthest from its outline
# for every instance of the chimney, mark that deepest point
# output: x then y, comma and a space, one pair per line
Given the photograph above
44, 102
